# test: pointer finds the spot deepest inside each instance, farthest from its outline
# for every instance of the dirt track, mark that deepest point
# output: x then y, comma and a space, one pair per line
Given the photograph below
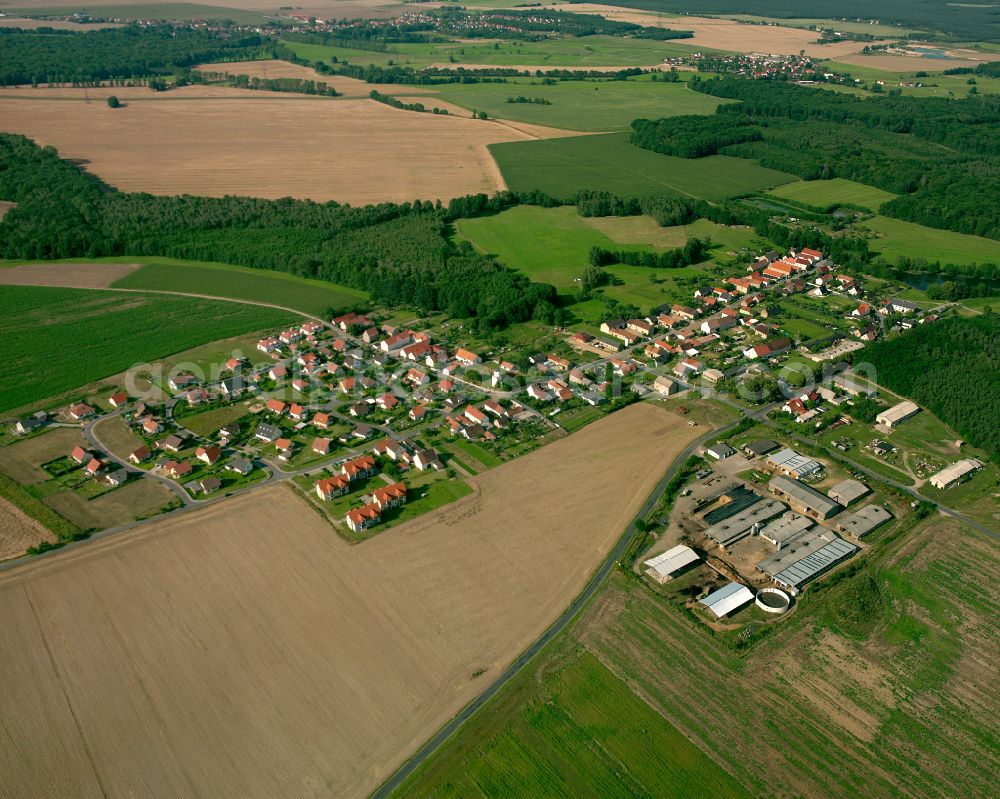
247, 650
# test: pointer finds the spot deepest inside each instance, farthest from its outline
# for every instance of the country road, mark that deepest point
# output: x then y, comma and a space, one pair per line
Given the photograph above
431, 746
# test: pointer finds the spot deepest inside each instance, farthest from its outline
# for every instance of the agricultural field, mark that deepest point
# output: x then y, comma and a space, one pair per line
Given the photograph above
72, 275
18, 531
315, 297
131, 9
88, 335
220, 619
549, 736
561, 167
872, 665
591, 105
824, 194
894, 237
213, 141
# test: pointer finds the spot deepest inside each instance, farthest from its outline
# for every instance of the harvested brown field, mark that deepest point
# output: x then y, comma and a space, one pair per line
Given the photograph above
728, 34
246, 650
229, 141
18, 532
348, 87
77, 276
56, 24
117, 437
906, 63
137, 499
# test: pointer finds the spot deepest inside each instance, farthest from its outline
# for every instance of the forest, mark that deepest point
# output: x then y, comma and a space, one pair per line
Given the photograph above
400, 253
958, 21
117, 53
949, 367
939, 154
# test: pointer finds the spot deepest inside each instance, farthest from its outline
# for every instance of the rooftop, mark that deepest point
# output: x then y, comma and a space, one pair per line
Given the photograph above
727, 599
807, 557
864, 521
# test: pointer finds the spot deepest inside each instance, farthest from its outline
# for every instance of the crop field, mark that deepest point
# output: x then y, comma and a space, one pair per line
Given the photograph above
138, 9
19, 531
22, 460
561, 167
835, 701
86, 335
712, 33
894, 237
208, 423
136, 499
239, 283
55, 24
826, 193
334, 661
592, 105
211, 140
73, 275
270, 68
559, 743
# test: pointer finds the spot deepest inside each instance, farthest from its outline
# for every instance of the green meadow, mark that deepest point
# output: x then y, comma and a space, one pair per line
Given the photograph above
592, 105
824, 194
894, 237
562, 167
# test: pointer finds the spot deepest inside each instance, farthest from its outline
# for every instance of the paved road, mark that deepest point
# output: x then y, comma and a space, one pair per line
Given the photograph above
406, 769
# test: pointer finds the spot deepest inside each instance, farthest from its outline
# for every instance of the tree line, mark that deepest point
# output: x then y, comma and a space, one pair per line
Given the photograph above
694, 251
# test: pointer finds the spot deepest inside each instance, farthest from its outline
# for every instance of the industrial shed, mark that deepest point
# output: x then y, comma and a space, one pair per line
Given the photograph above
731, 530
806, 558
782, 531
897, 413
761, 446
847, 492
720, 451
864, 521
793, 464
667, 564
727, 599
954, 474
803, 498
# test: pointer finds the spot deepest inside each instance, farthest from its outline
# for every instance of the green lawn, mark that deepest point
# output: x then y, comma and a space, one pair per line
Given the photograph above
573, 729
481, 456
826, 193
561, 167
895, 237
207, 423
57, 339
593, 105
239, 283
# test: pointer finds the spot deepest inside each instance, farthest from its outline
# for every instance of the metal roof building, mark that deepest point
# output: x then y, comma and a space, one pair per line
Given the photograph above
803, 498
727, 599
785, 529
806, 558
720, 451
791, 463
897, 413
666, 564
864, 521
761, 446
848, 491
730, 530
950, 475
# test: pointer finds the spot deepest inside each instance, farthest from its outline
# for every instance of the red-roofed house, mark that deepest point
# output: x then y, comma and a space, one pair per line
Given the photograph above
80, 411
275, 406
389, 496
331, 487
360, 467
208, 455
362, 518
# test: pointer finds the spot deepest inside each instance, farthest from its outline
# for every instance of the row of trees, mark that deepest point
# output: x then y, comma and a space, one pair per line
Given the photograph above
694, 251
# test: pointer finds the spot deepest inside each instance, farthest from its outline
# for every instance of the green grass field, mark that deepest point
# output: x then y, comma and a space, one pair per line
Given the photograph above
553, 735
561, 167
239, 283
57, 339
895, 237
173, 11
593, 105
551, 245
825, 193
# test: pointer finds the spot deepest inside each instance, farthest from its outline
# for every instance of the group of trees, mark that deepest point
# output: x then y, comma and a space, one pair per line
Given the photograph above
940, 154
293, 85
949, 367
57, 56
694, 251
400, 253
533, 100
395, 102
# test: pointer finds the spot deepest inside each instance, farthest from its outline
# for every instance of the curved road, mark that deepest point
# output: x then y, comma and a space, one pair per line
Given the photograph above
431, 746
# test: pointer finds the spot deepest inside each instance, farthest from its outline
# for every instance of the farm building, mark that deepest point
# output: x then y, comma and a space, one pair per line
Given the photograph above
854, 385
897, 414
731, 530
864, 521
803, 498
786, 528
954, 474
761, 446
792, 464
720, 451
809, 556
667, 564
847, 492
727, 599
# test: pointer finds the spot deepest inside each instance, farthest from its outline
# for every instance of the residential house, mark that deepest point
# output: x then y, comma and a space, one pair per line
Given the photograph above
139, 455
241, 466
209, 484
359, 468
172, 443
331, 487
321, 420
298, 412
79, 454
359, 519
80, 411
177, 470
267, 433
390, 496
426, 459
208, 455
276, 406
418, 413
151, 426
387, 401
178, 382
118, 399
